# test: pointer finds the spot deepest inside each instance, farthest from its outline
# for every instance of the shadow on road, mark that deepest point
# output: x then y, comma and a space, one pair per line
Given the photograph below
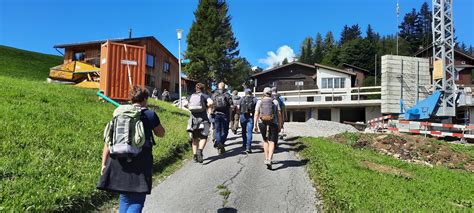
289, 163
226, 210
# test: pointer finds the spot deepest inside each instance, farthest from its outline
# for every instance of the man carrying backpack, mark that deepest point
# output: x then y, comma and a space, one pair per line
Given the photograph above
281, 101
222, 104
198, 124
234, 112
247, 110
268, 119
127, 155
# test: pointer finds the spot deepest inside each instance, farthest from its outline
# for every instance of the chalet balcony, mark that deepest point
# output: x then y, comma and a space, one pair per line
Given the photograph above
355, 96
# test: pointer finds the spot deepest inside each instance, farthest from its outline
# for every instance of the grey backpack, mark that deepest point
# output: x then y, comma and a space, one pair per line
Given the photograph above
266, 111
196, 103
125, 133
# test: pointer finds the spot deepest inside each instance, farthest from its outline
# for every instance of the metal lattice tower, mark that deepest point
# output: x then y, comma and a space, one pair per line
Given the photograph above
443, 50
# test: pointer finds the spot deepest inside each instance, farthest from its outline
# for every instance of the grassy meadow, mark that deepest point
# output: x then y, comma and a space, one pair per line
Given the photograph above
363, 180
51, 137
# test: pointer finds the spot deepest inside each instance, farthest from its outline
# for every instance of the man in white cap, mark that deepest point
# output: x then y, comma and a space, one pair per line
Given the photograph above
268, 119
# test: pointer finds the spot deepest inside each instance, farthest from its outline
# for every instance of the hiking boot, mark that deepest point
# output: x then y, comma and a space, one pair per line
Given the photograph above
248, 151
199, 156
220, 149
195, 158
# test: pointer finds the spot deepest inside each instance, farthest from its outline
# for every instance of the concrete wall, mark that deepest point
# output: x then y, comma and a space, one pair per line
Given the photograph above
335, 114
391, 81
324, 73
372, 112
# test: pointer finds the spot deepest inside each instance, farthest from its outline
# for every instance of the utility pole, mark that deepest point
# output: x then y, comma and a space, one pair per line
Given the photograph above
398, 20
179, 35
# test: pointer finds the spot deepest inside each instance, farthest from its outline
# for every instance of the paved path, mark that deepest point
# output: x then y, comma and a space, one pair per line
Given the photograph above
253, 188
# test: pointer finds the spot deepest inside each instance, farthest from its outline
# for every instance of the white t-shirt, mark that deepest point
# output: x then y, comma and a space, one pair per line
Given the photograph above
276, 105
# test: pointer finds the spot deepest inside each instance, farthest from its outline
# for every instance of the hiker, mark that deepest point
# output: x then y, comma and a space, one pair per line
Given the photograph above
281, 101
198, 125
268, 119
221, 113
165, 96
246, 107
130, 176
154, 94
234, 112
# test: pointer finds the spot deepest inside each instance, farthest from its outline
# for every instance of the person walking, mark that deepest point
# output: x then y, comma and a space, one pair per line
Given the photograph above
221, 113
165, 96
132, 176
281, 101
268, 119
234, 112
154, 94
198, 124
246, 107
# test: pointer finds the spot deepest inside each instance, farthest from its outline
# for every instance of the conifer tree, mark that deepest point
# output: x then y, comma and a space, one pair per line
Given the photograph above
212, 47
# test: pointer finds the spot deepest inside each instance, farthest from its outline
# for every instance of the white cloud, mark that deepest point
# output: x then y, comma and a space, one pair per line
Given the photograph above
276, 58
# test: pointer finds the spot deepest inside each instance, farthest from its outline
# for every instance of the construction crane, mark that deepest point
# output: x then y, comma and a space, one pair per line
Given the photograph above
442, 102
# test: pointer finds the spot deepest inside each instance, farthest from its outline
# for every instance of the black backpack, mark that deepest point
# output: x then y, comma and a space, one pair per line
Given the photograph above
247, 105
220, 101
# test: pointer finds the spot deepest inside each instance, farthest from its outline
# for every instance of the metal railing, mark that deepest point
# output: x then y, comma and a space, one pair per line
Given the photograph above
336, 96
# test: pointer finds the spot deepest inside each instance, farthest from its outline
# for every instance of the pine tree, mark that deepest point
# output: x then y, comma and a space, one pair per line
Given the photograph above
350, 33
212, 46
328, 42
285, 61
471, 50
424, 25
307, 51
318, 49
410, 30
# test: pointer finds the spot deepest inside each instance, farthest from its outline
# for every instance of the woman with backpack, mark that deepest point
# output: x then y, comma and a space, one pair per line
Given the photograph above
268, 119
131, 176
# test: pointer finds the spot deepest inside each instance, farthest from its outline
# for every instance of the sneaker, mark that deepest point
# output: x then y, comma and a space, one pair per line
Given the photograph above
269, 164
195, 158
220, 149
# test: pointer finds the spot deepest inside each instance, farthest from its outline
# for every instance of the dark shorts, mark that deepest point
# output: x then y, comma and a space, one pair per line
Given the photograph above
272, 134
201, 133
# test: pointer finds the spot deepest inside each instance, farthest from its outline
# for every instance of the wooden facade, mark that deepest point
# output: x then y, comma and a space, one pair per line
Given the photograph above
463, 63
361, 74
292, 76
162, 73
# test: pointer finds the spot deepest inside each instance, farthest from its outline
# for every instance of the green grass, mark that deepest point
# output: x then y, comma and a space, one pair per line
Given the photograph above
347, 180
51, 137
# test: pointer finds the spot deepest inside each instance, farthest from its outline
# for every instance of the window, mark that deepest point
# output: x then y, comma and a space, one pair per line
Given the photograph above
330, 83
337, 83
166, 67
149, 80
79, 56
150, 60
299, 83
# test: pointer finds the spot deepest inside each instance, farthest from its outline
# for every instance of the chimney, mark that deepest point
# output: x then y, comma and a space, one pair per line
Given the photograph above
130, 33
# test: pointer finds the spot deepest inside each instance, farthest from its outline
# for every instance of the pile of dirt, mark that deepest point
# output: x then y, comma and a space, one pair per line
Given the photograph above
411, 148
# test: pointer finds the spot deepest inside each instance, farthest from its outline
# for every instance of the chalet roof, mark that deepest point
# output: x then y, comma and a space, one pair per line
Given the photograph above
99, 42
305, 65
335, 69
456, 51
279, 67
355, 67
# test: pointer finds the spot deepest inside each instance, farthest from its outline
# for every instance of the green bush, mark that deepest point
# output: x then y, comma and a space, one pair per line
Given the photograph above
363, 180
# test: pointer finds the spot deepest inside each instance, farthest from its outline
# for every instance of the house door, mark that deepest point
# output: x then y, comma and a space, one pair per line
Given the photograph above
324, 114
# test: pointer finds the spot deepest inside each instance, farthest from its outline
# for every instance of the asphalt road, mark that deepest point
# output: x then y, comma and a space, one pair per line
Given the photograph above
237, 182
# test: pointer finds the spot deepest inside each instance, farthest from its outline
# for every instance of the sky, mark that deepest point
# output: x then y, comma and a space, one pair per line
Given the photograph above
267, 30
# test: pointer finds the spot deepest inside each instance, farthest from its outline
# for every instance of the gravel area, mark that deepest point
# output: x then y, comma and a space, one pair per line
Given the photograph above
316, 128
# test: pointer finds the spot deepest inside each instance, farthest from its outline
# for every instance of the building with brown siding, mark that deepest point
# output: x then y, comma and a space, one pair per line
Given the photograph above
162, 69
361, 74
463, 64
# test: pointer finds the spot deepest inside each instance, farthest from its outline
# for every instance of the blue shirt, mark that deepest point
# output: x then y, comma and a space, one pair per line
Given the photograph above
150, 121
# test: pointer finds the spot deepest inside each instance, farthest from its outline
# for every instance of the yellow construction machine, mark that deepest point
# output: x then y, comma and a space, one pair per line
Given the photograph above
79, 73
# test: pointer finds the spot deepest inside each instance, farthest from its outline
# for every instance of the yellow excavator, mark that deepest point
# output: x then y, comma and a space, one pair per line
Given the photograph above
79, 73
